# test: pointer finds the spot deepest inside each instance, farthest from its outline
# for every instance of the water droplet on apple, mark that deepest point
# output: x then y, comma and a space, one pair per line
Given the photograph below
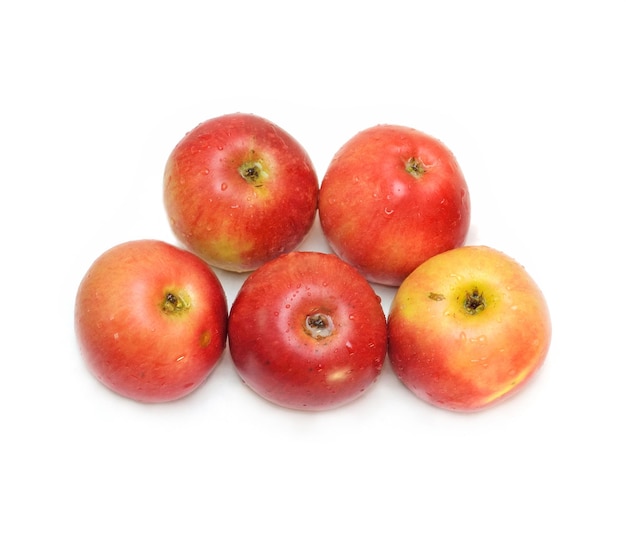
350, 348
388, 211
224, 186
287, 306
205, 171
220, 147
351, 317
399, 188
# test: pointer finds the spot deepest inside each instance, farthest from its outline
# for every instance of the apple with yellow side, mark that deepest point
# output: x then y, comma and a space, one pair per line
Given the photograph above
468, 328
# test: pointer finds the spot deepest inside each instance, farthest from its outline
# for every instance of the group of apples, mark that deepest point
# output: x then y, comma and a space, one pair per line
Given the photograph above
467, 326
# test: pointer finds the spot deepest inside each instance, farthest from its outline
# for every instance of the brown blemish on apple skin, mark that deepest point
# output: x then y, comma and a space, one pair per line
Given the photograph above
436, 296
205, 339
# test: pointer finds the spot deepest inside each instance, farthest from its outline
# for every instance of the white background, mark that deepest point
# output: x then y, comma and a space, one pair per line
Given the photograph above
530, 98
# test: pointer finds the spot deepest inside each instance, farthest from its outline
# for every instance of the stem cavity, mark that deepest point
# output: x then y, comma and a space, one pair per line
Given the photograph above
319, 326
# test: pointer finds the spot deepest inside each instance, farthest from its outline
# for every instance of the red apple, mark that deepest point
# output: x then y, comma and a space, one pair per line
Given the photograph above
151, 320
391, 198
308, 332
239, 191
468, 328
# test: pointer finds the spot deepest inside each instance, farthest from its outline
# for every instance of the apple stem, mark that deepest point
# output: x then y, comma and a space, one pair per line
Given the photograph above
319, 325
474, 302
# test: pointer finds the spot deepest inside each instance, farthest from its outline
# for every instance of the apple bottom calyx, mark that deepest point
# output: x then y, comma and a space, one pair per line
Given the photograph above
253, 172
173, 303
319, 325
416, 167
474, 302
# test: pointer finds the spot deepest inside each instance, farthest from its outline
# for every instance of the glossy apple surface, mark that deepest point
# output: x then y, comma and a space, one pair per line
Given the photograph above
468, 328
391, 198
151, 320
307, 332
239, 191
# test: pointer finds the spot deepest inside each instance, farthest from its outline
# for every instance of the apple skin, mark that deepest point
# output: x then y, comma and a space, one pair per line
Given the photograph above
391, 198
151, 320
239, 191
283, 345
468, 328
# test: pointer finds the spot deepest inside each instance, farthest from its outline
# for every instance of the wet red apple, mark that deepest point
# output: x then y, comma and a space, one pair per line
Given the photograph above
307, 331
151, 320
240, 191
391, 198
